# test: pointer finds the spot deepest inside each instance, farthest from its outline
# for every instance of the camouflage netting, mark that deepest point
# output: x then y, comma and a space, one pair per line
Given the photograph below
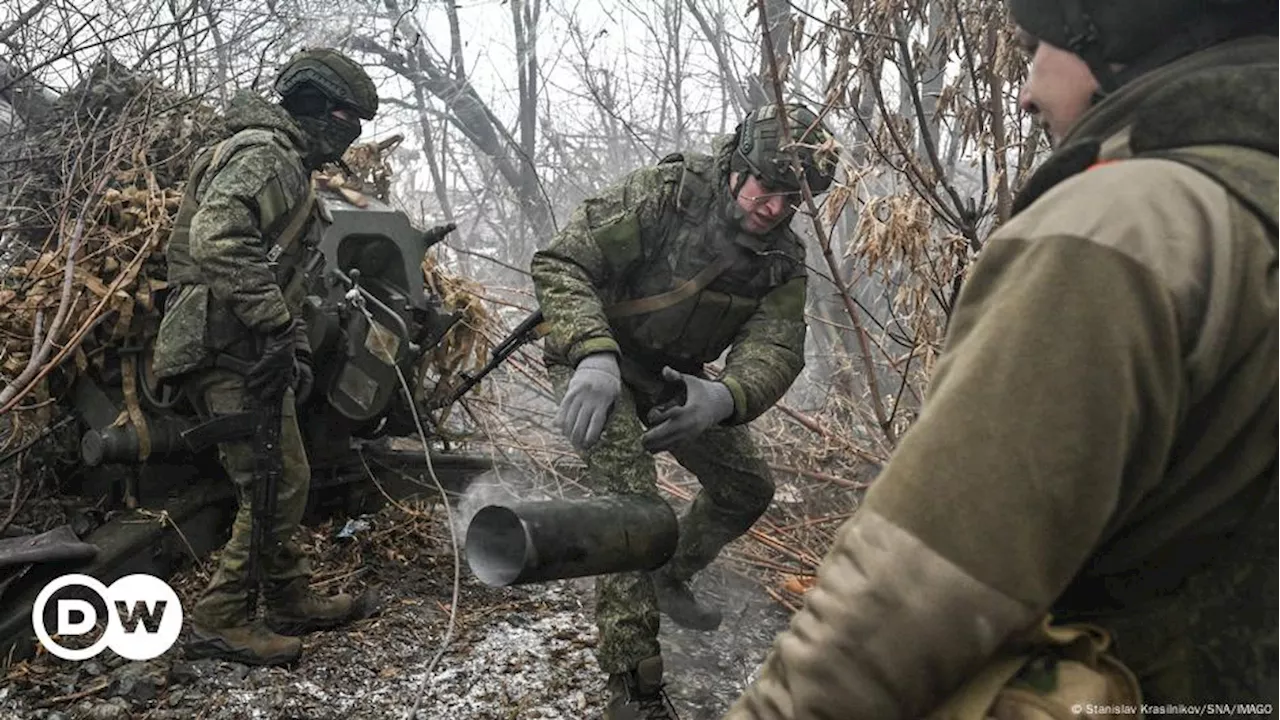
89, 195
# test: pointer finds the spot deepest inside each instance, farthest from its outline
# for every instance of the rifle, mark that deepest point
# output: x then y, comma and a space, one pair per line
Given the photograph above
268, 470
526, 332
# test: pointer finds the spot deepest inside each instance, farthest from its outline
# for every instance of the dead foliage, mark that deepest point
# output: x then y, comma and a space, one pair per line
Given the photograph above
91, 195
86, 225
467, 343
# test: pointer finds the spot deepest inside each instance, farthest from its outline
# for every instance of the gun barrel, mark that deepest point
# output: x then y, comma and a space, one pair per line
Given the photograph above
534, 542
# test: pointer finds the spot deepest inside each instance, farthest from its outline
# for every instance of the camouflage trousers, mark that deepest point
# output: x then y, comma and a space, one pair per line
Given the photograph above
225, 600
736, 490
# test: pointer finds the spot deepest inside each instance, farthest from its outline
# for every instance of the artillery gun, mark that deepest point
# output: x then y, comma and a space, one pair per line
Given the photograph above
369, 333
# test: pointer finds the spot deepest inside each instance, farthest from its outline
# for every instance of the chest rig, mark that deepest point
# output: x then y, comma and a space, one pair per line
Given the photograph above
699, 279
289, 254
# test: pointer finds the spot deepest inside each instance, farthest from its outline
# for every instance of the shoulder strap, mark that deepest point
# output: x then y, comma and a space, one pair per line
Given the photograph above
294, 223
662, 301
204, 161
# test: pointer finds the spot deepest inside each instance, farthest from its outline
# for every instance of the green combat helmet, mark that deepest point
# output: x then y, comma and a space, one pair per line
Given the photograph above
335, 75
760, 152
313, 84
1137, 35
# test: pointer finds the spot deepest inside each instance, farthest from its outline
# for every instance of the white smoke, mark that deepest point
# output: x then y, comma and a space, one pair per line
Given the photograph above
500, 486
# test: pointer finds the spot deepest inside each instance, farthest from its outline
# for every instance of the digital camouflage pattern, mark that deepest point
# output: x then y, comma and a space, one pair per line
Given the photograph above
228, 297
1122, 469
736, 490
646, 235
225, 600
228, 293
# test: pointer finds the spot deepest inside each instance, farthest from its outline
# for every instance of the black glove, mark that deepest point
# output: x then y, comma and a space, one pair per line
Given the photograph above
306, 377
274, 372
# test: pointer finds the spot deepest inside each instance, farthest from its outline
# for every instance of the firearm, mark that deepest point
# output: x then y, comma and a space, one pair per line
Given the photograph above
268, 470
526, 332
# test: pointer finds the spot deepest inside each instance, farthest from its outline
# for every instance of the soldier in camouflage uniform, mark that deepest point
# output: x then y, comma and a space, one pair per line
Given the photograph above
651, 279
247, 223
1099, 439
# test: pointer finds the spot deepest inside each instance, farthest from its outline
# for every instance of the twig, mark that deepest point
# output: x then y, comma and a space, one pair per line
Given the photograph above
814, 426
22, 20
825, 477
21, 492
96, 688
784, 602
36, 368
824, 240
343, 576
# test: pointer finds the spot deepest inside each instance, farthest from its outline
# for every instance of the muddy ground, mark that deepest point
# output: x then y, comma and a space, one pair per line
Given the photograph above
516, 653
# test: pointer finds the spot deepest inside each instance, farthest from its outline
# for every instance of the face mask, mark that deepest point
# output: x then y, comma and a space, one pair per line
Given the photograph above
328, 138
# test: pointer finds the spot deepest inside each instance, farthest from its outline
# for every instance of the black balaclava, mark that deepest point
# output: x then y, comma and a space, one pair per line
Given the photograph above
328, 137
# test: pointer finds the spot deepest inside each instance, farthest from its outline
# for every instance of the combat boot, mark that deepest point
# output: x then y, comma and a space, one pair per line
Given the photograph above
296, 610
251, 644
637, 694
678, 602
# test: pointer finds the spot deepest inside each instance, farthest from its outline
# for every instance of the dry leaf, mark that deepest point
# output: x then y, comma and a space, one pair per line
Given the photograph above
799, 584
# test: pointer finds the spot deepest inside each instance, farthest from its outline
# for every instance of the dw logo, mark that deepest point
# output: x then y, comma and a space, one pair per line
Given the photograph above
146, 621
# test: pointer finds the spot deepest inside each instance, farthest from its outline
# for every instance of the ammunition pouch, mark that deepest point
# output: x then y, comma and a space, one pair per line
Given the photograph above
1052, 672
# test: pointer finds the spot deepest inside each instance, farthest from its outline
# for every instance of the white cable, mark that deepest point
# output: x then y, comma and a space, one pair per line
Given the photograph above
358, 302
453, 540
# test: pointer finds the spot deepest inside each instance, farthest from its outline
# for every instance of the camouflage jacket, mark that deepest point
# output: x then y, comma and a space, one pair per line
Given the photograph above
651, 233
227, 291
1099, 436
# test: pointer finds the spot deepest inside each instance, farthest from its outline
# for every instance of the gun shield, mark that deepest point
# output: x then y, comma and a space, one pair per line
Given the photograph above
552, 540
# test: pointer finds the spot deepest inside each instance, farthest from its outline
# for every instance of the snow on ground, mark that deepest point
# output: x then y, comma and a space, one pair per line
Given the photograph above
522, 652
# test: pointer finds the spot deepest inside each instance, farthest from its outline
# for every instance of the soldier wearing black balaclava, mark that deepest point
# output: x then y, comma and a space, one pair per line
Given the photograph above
247, 221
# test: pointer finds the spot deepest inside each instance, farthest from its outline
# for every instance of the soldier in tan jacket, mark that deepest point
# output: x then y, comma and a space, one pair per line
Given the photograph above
1099, 439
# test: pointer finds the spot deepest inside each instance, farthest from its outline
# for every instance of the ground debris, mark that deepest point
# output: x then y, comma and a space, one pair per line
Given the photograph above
521, 652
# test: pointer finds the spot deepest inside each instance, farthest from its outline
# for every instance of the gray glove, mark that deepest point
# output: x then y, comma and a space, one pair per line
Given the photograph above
592, 390
707, 403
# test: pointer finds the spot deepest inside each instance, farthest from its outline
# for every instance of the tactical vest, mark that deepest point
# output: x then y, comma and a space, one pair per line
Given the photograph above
200, 326
684, 304
1204, 121
287, 229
